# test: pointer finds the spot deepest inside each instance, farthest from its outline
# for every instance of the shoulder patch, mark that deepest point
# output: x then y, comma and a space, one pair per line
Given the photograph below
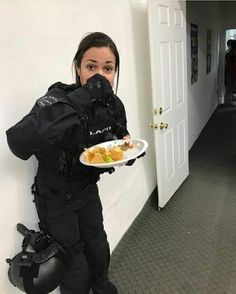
47, 100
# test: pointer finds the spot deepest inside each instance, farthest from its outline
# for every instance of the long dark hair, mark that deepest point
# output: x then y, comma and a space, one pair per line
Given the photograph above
96, 39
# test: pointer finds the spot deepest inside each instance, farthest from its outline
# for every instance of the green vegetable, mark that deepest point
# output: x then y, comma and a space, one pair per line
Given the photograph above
108, 159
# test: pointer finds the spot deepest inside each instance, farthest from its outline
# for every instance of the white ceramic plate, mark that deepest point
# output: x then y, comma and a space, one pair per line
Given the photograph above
140, 146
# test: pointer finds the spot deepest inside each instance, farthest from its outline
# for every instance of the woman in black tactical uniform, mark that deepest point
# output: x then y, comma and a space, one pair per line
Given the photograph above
61, 124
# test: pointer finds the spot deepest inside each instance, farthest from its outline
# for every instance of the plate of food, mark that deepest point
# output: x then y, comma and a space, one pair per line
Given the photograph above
113, 153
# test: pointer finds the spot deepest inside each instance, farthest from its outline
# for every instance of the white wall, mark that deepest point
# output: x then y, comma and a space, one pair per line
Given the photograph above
203, 95
38, 42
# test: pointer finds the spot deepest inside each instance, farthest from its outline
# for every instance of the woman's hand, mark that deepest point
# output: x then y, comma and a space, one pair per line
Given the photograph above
127, 137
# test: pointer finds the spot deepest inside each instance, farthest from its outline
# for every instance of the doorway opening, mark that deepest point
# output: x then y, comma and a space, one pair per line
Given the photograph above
230, 82
229, 35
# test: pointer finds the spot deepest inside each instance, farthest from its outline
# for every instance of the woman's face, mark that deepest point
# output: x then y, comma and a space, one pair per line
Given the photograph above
97, 60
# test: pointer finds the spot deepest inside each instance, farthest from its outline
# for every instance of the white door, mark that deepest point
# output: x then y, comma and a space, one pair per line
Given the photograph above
167, 34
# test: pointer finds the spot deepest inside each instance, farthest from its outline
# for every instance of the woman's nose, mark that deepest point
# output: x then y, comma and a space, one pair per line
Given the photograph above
100, 71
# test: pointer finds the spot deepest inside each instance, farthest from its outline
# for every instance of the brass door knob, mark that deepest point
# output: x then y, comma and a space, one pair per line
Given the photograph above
163, 125
153, 126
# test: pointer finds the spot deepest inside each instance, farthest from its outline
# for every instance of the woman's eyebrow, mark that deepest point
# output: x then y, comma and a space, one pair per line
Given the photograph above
95, 61
92, 60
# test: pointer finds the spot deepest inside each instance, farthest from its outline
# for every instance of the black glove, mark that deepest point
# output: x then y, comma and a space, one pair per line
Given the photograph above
100, 90
132, 161
109, 170
141, 155
97, 91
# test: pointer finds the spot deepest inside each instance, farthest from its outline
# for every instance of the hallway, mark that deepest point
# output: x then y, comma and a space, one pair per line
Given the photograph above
189, 246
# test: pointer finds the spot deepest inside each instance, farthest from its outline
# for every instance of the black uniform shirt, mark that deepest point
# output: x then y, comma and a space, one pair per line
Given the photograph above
57, 129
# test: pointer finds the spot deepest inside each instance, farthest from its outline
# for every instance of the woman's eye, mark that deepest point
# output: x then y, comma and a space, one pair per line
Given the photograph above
90, 67
109, 69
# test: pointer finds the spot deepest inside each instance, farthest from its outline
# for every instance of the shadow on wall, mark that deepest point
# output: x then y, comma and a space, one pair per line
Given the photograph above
139, 18
142, 57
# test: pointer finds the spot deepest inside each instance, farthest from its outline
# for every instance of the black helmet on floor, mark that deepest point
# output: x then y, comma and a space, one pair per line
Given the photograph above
38, 272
